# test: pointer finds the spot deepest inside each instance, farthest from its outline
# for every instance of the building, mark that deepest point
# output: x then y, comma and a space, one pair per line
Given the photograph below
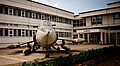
19, 20
99, 26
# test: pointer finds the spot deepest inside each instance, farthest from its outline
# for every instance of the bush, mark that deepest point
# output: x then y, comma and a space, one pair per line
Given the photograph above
83, 56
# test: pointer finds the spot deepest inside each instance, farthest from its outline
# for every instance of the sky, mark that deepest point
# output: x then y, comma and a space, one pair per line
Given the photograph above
77, 6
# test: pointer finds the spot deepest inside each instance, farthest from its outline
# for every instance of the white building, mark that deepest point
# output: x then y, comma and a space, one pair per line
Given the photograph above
99, 26
19, 21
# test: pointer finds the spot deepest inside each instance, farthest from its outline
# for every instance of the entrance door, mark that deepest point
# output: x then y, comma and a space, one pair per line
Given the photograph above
94, 38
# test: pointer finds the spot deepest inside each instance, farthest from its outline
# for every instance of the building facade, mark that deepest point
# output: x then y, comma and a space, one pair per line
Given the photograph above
19, 20
99, 26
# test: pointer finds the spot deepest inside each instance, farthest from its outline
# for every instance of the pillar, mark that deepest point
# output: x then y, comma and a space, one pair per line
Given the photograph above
83, 36
105, 37
78, 35
88, 38
101, 37
109, 35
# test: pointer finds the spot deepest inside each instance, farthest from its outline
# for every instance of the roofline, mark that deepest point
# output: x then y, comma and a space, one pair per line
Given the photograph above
113, 3
98, 10
93, 11
50, 6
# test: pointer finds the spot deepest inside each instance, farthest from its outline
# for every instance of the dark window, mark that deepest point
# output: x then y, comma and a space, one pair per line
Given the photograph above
30, 32
15, 32
19, 32
6, 32
6, 10
27, 33
96, 20
1, 9
1, 32
19, 12
117, 15
16, 12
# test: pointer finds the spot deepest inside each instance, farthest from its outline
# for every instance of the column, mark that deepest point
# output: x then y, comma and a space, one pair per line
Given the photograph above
109, 35
83, 36
105, 37
101, 37
78, 35
88, 38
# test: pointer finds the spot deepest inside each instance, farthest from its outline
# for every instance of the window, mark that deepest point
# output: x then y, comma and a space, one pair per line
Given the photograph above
6, 10
10, 11
15, 32
27, 33
19, 32
23, 32
19, 12
10, 32
43, 16
27, 14
34, 31
80, 22
96, 20
6, 32
34, 15
22, 13
1, 32
16, 12
117, 16
1, 9
31, 34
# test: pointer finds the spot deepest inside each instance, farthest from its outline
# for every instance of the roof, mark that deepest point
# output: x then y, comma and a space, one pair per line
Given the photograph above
50, 6
98, 10
113, 3
93, 11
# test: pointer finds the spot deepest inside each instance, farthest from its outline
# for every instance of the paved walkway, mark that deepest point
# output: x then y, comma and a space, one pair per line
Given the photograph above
13, 56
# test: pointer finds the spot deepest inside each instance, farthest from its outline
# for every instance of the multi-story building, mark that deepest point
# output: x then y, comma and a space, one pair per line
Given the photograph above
19, 20
99, 26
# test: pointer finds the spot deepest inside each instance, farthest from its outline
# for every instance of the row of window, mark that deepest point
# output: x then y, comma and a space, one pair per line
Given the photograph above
16, 32
64, 34
26, 33
32, 14
80, 22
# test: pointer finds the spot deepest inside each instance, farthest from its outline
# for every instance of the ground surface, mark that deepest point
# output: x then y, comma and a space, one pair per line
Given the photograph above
13, 56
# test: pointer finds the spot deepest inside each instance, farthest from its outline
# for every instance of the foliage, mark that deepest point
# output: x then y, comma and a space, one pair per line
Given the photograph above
83, 56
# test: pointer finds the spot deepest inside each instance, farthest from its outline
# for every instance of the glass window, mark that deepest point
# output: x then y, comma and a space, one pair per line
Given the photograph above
1, 32
15, 32
16, 12
34, 15
22, 13
10, 32
31, 34
19, 32
93, 19
117, 16
6, 32
6, 10
1, 9
10, 11
96, 20
23, 32
19, 12
27, 33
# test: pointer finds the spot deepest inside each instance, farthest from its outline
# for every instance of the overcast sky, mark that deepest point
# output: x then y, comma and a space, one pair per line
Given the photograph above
77, 6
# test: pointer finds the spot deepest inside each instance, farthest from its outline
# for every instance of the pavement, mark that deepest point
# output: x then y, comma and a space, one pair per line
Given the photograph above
10, 57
